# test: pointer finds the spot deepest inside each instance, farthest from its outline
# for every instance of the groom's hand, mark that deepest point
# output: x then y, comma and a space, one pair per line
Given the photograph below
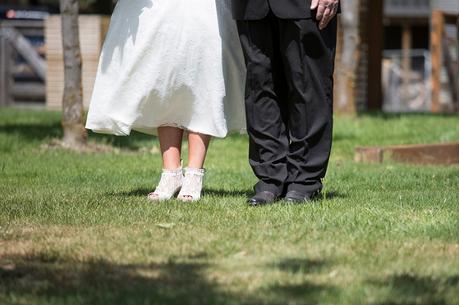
326, 10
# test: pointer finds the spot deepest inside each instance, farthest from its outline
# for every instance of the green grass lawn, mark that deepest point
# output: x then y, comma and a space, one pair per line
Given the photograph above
77, 228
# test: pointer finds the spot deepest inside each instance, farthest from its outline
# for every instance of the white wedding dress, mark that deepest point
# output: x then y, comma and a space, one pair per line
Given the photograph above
170, 63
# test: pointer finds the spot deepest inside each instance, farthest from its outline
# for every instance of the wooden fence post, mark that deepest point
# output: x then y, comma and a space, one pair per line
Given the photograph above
5, 72
436, 51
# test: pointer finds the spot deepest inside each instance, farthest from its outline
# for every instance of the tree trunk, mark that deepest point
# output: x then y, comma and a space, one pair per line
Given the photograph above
72, 113
349, 57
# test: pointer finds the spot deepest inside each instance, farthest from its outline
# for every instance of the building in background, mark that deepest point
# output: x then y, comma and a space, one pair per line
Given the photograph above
407, 64
406, 57
395, 68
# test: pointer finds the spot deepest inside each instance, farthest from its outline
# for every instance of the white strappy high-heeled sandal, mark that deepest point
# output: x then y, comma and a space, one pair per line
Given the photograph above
192, 185
169, 185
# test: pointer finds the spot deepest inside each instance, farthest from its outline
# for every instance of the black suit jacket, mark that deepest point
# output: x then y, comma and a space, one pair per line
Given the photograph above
259, 9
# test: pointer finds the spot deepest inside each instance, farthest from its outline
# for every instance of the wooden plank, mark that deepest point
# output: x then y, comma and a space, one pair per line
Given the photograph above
5, 72
436, 51
18, 23
452, 71
368, 154
406, 60
27, 51
28, 91
440, 154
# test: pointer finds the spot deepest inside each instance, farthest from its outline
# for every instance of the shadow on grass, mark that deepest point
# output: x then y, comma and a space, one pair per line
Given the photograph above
59, 281
33, 131
45, 278
300, 265
341, 136
305, 292
227, 193
220, 193
333, 194
142, 192
139, 192
407, 289
47, 131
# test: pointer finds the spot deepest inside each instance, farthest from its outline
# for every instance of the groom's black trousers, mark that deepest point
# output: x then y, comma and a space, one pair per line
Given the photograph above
289, 101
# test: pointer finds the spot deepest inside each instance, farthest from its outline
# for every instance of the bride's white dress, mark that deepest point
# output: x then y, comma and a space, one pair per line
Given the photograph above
170, 63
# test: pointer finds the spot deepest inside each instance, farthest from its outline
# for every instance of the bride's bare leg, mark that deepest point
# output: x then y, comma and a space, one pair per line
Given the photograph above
170, 140
197, 149
194, 173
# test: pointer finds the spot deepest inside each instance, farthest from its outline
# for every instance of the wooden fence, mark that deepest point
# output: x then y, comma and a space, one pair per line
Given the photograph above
441, 57
31, 73
22, 63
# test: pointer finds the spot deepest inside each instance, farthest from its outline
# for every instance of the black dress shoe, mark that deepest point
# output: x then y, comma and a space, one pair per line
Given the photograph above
262, 198
298, 197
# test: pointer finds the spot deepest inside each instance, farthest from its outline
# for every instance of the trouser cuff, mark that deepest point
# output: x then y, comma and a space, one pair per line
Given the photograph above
275, 188
312, 187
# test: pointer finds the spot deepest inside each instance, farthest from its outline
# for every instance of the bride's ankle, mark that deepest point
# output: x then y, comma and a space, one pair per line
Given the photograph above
176, 170
194, 170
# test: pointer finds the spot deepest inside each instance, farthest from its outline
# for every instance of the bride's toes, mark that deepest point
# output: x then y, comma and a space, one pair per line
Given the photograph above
153, 196
169, 185
186, 198
192, 185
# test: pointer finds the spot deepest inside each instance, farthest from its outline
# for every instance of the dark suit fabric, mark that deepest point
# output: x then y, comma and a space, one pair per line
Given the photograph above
259, 9
289, 98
